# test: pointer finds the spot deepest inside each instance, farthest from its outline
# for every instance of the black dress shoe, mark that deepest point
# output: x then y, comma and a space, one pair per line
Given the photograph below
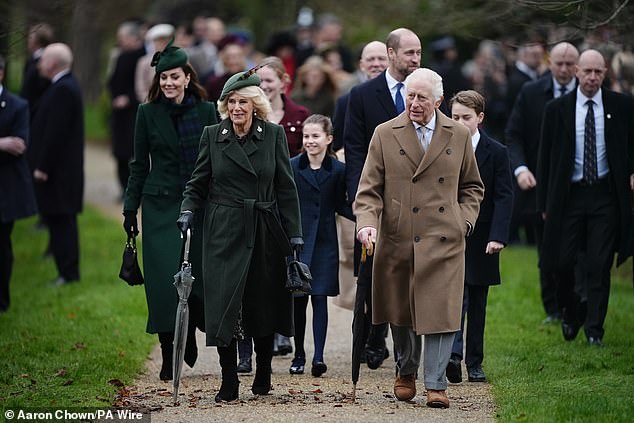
552, 319
595, 341
283, 344
318, 368
244, 366
297, 366
476, 374
569, 330
454, 370
375, 357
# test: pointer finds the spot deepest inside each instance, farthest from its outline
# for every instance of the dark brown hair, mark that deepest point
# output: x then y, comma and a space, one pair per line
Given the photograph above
194, 88
469, 98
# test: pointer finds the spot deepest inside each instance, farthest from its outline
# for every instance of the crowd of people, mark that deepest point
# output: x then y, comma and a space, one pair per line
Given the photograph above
265, 155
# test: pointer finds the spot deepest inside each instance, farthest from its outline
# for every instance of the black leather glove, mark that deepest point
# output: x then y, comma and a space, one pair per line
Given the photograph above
184, 221
130, 224
297, 243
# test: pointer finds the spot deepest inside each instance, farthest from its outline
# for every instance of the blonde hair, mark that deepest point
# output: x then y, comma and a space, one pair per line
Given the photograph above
261, 104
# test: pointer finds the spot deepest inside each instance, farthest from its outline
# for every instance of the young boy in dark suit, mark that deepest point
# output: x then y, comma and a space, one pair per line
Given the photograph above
482, 265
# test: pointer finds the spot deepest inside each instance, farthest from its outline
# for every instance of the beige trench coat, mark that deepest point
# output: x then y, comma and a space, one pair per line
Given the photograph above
420, 205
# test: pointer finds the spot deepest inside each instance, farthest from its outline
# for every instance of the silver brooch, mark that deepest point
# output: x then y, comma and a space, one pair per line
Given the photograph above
259, 128
609, 116
3, 104
224, 131
292, 129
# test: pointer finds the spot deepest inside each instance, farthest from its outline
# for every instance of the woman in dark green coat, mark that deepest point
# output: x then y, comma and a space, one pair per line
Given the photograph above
244, 183
166, 140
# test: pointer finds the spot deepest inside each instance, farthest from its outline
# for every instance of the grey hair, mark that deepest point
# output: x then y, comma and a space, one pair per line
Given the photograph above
428, 75
261, 104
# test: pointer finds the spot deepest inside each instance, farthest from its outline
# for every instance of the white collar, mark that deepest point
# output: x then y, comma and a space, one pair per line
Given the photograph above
582, 99
475, 140
391, 81
1, 89
431, 125
59, 75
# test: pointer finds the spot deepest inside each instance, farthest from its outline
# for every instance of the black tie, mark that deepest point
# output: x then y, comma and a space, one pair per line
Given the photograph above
590, 147
562, 90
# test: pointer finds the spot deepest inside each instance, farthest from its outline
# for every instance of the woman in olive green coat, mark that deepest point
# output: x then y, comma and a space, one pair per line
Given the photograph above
166, 140
244, 182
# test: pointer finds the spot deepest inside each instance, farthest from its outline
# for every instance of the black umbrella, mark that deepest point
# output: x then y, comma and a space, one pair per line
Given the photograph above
362, 314
183, 281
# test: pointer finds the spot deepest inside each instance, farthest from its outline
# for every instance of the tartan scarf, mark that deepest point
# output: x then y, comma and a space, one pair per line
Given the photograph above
188, 128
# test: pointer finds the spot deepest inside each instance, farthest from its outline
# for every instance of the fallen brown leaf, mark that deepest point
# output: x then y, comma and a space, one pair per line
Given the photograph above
67, 382
61, 372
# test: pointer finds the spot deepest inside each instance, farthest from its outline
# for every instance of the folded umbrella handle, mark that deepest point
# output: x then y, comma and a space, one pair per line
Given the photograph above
188, 238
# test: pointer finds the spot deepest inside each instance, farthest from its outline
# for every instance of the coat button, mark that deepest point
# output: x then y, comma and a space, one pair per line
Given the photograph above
415, 209
416, 238
441, 180
415, 179
448, 151
443, 238
441, 209
402, 152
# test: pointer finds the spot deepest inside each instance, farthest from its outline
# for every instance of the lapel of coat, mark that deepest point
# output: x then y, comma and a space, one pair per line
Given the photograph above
569, 103
232, 148
608, 114
163, 121
306, 172
384, 96
442, 136
407, 139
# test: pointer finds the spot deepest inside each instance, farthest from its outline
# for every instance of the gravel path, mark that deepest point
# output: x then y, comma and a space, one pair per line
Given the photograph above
300, 398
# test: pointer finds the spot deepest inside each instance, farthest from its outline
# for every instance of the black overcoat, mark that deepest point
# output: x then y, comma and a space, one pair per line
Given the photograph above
57, 148
556, 165
251, 209
17, 199
495, 213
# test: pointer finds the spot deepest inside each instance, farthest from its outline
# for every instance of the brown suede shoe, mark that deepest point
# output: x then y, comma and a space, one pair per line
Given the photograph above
405, 387
437, 399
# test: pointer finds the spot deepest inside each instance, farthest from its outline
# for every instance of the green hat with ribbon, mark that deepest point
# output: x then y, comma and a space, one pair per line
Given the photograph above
241, 80
171, 57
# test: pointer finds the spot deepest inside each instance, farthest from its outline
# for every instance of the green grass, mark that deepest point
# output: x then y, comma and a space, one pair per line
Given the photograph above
62, 346
539, 377
96, 118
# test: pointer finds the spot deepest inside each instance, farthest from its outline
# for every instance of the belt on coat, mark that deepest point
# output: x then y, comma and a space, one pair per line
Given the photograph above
269, 213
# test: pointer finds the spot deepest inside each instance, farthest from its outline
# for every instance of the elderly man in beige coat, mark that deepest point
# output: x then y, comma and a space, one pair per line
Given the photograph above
418, 198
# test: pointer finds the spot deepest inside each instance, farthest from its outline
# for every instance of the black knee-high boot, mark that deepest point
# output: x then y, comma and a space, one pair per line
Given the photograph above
167, 352
263, 355
228, 363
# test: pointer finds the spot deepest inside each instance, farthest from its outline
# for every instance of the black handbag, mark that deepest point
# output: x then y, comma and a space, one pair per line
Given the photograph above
298, 277
130, 270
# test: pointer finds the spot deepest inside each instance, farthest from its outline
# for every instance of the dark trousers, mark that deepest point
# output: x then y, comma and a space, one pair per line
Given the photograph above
474, 305
590, 225
64, 244
6, 263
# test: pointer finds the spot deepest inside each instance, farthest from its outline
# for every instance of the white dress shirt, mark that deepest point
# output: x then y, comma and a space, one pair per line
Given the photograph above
581, 109
391, 84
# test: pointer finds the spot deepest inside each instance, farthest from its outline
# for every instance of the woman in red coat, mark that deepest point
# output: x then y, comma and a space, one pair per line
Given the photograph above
285, 112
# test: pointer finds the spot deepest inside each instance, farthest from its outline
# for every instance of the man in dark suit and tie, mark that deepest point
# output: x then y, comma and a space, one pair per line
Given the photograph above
586, 178
523, 131
57, 159
18, 199
370, 104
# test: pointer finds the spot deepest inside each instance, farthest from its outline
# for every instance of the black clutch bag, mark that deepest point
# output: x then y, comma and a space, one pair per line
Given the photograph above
130, 270
298, 277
